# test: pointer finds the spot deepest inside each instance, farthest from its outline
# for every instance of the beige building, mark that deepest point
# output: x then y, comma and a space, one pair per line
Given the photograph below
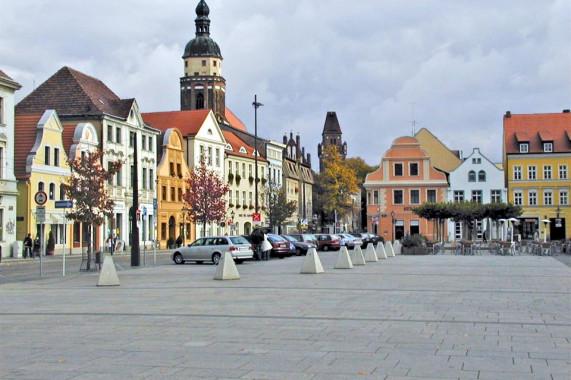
441, 157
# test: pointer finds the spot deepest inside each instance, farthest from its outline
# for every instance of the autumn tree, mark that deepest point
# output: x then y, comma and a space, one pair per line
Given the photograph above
335, 184
279, 208
205, 198
86, 187
361, 169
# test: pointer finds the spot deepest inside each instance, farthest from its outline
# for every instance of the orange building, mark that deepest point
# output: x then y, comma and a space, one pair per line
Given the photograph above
405, 179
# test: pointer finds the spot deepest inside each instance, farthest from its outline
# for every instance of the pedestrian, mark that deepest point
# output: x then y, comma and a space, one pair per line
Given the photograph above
28, 246
36, 250
266, 248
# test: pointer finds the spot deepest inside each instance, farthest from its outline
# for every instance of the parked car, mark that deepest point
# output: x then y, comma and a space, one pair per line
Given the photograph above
328, 242
308, 238
376, 238
281, 247
348, 240
300, 247
212, 248
364, 237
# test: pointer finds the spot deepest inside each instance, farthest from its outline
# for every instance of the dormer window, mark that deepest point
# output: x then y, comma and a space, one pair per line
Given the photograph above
548, 147
524, 147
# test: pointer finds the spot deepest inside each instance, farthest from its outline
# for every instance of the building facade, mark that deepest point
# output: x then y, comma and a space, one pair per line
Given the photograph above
537, 160
404, 179
8, 184
478, 180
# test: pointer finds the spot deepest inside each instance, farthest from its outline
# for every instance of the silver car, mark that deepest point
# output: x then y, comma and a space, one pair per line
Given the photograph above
212, 248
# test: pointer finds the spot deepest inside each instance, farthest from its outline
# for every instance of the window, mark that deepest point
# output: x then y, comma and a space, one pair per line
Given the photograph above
1, 214
368, 197
496, 196
61, 192
398, 170
144, 142
217, 158
518, 198
171, 169
214, 63
229, 167
132, 139
118, 135
471, 176
458, 195
237, 198
119, 180
524, 148
548, 147
481, 176
209, 162
476, 160
517, 173
1, 162
531, 172
562, 171
132, 181
144, 178
52, 192
477, 196
431, 195
547, 172
173, 195
415, 197
46, 155
180, 194
563, 197
109, 133
164, 193
397, 197
151, 179
243, 170
413, 168
203, 62
1, 110
40, 186
56, 156
179, 170
376, 197
532, 197
547, 197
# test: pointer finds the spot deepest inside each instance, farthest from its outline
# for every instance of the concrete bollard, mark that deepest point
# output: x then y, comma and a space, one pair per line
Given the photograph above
343, 260
370, 253
311, 263
389, 249
397, 247
108, 275
381, 254
226, 268
357, 256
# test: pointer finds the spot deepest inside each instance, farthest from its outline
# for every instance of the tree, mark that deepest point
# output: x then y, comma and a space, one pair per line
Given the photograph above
361, 169
279, 208
335, 184
205, 198
86, 187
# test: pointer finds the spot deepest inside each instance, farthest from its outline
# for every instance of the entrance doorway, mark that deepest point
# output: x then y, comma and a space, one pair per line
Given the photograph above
557, 229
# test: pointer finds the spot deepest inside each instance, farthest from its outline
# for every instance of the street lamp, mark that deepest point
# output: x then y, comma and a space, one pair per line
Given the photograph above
256, 105
393, 228
232, 214
545, 221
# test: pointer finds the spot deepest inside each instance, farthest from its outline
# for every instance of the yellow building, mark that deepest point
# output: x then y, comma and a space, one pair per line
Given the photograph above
537, 160
441, 157
40, 165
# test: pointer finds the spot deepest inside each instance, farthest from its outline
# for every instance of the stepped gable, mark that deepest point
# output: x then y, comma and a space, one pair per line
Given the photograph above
73, 93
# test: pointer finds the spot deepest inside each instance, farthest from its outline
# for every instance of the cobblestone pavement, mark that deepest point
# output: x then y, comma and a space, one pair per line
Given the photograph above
407, 317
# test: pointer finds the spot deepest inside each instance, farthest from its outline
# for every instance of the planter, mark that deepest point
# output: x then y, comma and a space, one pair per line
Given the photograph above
414, 250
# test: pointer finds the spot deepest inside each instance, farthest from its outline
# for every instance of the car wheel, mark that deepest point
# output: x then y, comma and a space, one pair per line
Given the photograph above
178, 258
298, 252
326, 248
216, 258
239, 261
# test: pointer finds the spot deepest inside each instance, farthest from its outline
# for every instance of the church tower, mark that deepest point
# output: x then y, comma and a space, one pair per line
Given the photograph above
202, 86
331, 136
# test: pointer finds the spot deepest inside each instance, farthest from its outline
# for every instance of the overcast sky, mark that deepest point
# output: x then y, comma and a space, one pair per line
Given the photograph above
453, 66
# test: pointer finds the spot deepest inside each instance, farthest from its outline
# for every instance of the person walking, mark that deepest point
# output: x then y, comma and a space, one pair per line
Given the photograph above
266, 248
28, 246
36, 250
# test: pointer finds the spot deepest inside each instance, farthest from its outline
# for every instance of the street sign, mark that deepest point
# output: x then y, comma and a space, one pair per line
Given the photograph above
304, 222
64, 204
138, 216
40, 214
144, 211
41, 197
256, 217
155, 205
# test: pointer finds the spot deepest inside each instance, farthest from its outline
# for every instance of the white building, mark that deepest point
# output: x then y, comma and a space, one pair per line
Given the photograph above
479, 180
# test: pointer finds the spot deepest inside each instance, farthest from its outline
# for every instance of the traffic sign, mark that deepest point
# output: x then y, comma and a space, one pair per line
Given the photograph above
40, 214
256, 217
155, 205
63, 204
144, 211
41, 197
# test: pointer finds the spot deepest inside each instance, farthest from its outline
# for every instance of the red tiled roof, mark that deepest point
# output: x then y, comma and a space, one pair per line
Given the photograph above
236, 144
72, 93
521, 136
188, 122
234, 121
554, 127
25, 132
67, 137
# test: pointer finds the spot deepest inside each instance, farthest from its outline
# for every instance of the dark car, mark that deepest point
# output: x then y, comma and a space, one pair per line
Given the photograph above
280, 246
376, 239
308, 238
364, 236
301, 247
328, 242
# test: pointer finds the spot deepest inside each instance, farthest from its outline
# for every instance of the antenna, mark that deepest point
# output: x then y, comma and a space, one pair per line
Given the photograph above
412, 121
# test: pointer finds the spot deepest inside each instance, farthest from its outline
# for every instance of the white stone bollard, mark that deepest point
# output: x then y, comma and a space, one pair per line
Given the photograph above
389, 249
381, 254
370, 254
226, 268
357, 256
343, 260
312, 263
108, 276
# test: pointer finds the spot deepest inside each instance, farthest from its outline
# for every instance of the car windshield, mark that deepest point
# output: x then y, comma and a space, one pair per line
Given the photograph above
290, 238
238, 240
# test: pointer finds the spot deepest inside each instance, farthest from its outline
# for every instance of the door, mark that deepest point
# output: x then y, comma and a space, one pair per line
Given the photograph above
557, 229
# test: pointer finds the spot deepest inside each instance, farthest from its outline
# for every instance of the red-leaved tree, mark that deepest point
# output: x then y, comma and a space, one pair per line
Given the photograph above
205, 198
86, 187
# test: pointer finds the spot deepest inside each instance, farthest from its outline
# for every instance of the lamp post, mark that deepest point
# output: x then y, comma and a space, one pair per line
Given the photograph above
256, 105
393, 228
232, 214
545, 222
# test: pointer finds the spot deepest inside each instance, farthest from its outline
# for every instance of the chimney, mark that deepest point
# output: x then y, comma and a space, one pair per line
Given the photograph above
297, 141
285, 139
508, 114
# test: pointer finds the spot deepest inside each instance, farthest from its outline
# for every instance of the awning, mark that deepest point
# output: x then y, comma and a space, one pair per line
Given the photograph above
57, 219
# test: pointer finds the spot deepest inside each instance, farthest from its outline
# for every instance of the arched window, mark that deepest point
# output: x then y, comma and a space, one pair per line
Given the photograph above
471, 176
61, 193
481, 176
199, 101
40, 186
52, 192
